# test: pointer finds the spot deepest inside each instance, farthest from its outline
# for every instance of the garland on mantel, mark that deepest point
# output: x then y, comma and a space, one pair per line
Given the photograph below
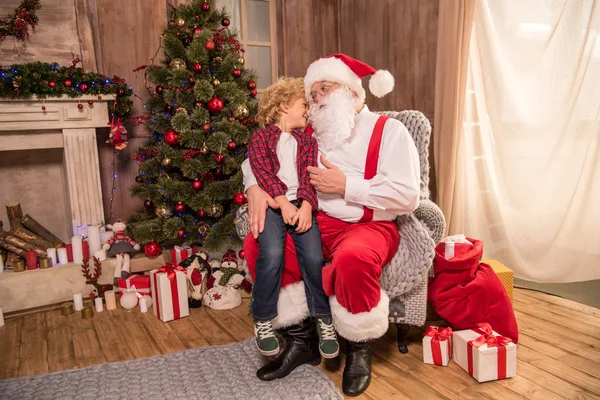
16, 24
23, 81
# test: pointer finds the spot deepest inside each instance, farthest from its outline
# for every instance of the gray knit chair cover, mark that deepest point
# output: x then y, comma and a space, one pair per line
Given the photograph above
405, 277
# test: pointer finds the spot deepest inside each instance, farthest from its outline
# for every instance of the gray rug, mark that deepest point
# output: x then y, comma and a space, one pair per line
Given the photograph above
218, 372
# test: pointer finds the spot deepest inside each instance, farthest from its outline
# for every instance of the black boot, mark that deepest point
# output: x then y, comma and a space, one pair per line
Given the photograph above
357, 374
301, 346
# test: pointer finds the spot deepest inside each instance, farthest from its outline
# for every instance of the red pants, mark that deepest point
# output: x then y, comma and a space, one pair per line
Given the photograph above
357, 252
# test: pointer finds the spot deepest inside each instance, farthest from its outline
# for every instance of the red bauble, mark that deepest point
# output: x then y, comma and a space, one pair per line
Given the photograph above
197, 184
152, 249
239, 199
139, 179
205, 6
171, 137
52, 84
237, 73
121, 91
197, 67
197, 31
198, 104
253, 93
209, 45
218, 171
231, 145
206, 127
201, 214
187, 40
251, 85
148, 204
68, 83
43, 108
219, 157
181, 233
159, 89
225, 22
215, 105
169, 108
80, 106
242, 254
90, 102
180, 207
83, 87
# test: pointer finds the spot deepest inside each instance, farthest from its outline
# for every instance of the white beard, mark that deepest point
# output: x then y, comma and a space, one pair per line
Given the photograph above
333, 118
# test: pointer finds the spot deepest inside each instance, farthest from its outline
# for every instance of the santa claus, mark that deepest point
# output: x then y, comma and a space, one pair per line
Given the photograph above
368, 175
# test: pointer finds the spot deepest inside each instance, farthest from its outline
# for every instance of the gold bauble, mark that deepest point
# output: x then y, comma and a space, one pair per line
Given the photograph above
181, 110
180, 21
177, 63
163, 176
217, 61
215, 210
166, 161
216, 82
203, 228
240, 112
163, 212
204, 150
241, 61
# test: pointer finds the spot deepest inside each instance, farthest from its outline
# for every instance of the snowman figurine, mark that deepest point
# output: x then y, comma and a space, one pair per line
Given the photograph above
120, 246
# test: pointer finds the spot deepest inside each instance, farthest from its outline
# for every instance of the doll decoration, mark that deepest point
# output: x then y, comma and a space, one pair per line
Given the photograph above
120, 246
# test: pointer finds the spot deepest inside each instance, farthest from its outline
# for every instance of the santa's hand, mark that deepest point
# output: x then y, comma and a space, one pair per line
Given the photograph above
329, 179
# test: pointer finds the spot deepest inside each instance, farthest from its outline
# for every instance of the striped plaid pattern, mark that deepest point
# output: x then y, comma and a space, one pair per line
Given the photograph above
262, 152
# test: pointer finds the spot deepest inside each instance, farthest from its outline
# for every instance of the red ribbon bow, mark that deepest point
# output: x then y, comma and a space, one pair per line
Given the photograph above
487, 337
438, 335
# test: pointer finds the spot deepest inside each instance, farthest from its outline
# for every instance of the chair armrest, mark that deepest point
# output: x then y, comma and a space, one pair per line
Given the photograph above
432, 218
242, 222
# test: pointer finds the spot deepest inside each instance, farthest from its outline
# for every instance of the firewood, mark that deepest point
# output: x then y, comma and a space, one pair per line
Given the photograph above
35, 227
39, 242
11, 259
24, 245
12, 248
13, 210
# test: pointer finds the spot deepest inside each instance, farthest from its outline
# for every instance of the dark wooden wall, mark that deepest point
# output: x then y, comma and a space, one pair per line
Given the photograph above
397, 35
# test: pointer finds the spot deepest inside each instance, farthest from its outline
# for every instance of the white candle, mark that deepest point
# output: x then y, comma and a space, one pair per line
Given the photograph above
78, 302
94, 238
76, 242
143, 305
1, 318
104, 236
51, 253
98, 303
100, 255
111, 301
62, 255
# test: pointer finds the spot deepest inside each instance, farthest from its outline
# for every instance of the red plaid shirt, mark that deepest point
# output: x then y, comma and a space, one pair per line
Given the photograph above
262, 151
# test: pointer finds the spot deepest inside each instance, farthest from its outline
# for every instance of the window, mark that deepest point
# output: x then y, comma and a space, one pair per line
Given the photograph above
254, 21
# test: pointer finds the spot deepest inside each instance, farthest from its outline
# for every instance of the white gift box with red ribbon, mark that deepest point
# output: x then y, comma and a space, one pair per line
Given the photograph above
484, 354
169, 292
135, 283
437, 346
180, 253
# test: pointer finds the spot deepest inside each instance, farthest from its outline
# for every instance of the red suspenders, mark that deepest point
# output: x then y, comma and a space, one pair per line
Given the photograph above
373, 159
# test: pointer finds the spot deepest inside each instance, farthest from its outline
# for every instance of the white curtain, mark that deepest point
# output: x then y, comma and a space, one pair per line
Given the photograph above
530, 174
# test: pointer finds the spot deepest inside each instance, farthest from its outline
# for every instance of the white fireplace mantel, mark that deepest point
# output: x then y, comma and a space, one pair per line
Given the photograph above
24, 125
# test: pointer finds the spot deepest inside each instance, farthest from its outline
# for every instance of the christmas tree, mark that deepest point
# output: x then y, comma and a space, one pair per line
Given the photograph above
201, 114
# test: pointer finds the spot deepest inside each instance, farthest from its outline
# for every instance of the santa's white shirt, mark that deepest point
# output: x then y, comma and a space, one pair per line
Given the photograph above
393, 191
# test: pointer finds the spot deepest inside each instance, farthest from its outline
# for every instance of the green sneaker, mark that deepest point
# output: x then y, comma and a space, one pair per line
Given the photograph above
328, 344
266, 341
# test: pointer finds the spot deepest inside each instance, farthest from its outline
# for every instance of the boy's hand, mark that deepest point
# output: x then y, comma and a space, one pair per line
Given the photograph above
304, 217
288, 210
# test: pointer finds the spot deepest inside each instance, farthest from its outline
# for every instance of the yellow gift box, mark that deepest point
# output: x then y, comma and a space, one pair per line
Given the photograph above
506, 275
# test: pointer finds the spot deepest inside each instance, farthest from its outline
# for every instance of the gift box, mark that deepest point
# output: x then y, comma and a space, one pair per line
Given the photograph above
437, 346
135, 283
506, 275
169, 292
484, 354
180, 253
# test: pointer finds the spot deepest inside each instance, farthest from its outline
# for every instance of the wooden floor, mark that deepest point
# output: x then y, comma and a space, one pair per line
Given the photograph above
558, 353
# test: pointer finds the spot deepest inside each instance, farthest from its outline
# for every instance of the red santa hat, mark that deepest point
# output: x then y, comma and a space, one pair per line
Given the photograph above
229, 259
348, 71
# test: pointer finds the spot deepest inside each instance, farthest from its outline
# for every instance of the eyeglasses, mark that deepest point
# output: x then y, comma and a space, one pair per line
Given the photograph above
323, 89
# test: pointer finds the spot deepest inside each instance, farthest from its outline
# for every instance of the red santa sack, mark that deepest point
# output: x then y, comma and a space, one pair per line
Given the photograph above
465, 292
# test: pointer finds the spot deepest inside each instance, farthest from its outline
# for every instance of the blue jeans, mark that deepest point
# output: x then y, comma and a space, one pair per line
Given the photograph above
269, 267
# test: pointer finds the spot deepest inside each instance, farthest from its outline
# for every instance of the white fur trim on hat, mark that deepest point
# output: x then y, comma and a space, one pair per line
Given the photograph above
362, 326
292, 307
334, 70
381, 83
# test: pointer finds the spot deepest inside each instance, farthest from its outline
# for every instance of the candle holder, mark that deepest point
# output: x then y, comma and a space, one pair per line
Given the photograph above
45, 263
87, 313
66, 308
19, 266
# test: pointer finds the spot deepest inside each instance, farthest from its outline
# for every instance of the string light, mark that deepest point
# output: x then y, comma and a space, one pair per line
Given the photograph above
114, 184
